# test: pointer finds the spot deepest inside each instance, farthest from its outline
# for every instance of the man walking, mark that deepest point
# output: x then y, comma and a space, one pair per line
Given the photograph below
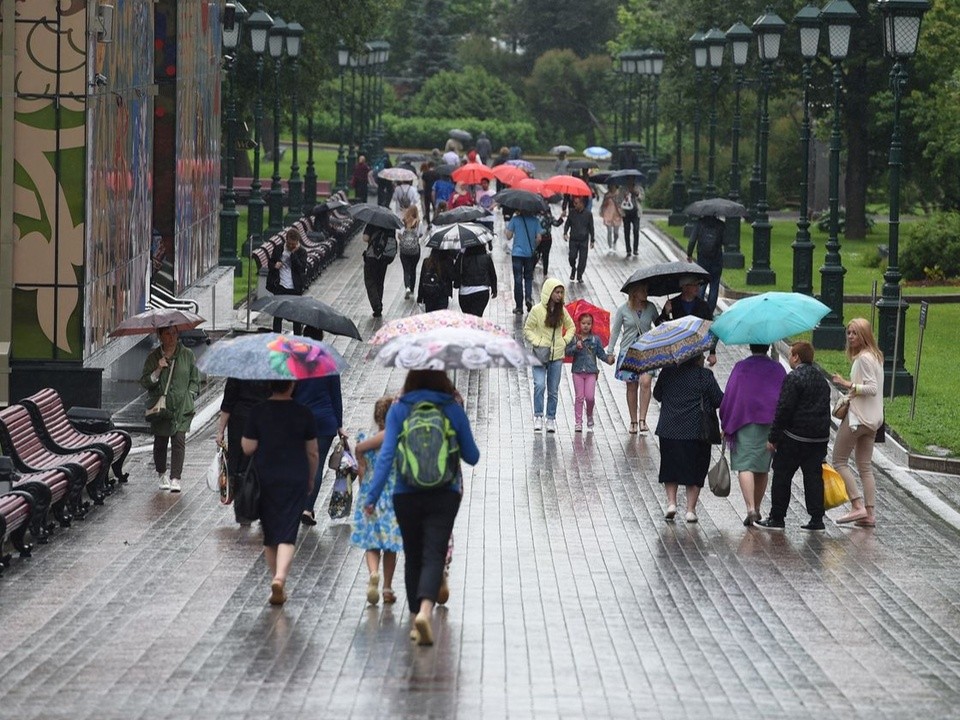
578, 232
707, 238
522, 230
799, 437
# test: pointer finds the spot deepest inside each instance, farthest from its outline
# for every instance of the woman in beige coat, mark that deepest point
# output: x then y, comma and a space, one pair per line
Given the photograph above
612, 217
865, 415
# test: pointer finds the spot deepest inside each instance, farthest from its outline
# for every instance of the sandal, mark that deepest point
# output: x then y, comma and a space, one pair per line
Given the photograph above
308, 518
389, 597
643, 427
633, 428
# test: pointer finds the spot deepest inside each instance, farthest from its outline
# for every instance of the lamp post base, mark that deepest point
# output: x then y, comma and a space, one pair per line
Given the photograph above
892, 347
761, 273
275, 205
830, 337
295, 191
341, 181
732, 257
803, 264
228, 241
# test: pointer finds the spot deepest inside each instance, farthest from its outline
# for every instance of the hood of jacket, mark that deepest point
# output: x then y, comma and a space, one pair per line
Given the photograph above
549, 285
433, 396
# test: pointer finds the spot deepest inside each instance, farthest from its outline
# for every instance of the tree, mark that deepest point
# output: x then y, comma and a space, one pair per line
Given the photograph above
568, 95
432, 40
472, 93
584, 27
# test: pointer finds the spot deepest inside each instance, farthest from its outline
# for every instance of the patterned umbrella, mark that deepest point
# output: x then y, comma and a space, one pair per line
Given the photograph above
472, 173
397, 174
448, 348
597, 153
431, 321
557, 149
525, 165
509, 174
670, 343
459, 236
568, 185
152, 320
271, 356
769, 317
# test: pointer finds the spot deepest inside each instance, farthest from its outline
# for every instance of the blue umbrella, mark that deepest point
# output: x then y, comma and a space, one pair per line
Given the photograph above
769, 317
597, 153
670, 343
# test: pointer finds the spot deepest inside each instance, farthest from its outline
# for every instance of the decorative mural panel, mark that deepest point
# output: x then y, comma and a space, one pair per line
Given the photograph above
120, 174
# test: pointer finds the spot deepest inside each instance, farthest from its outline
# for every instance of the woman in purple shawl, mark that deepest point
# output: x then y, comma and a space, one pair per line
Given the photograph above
747, 410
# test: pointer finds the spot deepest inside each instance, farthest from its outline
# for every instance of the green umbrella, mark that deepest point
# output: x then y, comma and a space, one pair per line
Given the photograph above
769, 317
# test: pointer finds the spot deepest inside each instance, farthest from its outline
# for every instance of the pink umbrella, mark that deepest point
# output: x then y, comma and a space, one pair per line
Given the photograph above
425, 322
568, 185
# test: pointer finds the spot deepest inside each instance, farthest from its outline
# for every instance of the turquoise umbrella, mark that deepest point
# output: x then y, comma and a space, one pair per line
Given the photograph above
769, 317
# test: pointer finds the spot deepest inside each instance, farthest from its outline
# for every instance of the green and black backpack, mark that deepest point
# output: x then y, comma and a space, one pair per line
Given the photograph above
428, 456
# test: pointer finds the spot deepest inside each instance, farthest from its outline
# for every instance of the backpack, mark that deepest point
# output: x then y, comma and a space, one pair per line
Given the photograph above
627, 202
428, 456
409, 242
404, 199
710, 239
431, 286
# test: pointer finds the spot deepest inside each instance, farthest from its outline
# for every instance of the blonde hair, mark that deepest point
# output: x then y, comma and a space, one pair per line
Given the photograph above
380, 408
411, 216
861, 326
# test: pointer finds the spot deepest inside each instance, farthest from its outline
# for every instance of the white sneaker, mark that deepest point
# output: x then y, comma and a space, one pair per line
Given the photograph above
551, 425
174, 485
692, 517
164, 481
671, 512
537, 423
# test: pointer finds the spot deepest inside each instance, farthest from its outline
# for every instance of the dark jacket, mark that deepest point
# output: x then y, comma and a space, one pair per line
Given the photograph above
579, 225
240, 396
707, 238
803, 409
678, 390
298, 268
324, 399
475, 268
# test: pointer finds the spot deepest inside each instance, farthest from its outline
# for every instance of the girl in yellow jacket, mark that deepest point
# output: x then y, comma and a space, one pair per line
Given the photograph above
547, 329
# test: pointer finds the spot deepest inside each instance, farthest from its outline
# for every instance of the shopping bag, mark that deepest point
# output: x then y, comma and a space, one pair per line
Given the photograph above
218, 477
341, 499
247, 502
719, 475
834, 489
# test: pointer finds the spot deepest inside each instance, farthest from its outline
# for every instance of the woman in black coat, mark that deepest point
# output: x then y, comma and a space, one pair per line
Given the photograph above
476, 278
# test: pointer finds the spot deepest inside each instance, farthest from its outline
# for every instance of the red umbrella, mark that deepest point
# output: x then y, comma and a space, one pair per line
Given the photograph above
568, 185
601, 319
535, 186
509, 174
472, 173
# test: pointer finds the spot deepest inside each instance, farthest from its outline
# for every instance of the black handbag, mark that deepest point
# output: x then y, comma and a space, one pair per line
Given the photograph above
246, 503
709, 423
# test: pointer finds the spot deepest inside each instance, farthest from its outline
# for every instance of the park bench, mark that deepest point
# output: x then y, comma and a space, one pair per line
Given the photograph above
241, 189
20, 439
61, 435
16, 509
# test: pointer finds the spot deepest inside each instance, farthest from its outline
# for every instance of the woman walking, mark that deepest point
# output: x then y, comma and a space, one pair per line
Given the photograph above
425, 517
546, 329
858, 429
612, 217
408, 241
746, 413
170, 371
436, 283
281, 435
635, 317
684, 457
239, 399
476, 278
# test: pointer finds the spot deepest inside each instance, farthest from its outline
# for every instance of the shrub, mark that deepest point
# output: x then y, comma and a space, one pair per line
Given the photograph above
423, 132
931, 243
823, 222
474, 93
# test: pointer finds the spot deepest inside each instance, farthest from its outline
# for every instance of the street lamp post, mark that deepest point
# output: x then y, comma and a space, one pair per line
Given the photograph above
277, 44
351, 145
739, 37
259, 24
616, 110
643, 126
838, 17
901, 33
716, 43
310, 176
808, 20
699, 62
656, 69
343, 57
294, 184
678, 187
769, 29
228, 212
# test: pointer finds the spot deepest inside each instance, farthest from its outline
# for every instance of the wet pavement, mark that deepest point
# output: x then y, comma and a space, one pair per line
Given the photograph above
570, 595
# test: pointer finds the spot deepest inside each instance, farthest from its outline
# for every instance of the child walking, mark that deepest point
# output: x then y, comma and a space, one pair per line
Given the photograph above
377, 532
585, 348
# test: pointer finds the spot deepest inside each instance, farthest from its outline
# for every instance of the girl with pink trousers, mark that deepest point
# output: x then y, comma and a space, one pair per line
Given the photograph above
585, 348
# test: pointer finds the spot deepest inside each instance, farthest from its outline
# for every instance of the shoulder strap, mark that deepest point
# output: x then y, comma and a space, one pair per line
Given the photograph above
173, 364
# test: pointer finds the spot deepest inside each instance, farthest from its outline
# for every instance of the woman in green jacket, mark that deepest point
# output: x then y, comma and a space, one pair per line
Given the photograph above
170, 369
547, 329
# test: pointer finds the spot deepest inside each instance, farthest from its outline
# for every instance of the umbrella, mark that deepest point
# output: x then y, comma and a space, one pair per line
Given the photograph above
630, 144
663, 278
622, 177
463, 213
459, 236
445, 169
597, 153
509, 174
718, 207
582, 164
769, 317
601, 319
271, 356
397, 174
534, 186
330, 204
309, 311
448, 348
411, 158
669, 343
461, 135
152, 320
521, 200
472, 173
376, 215
600, 178
557, 149
525, 165
568, 185
423, 322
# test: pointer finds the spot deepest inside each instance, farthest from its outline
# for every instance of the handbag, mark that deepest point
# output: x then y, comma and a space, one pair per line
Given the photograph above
881, 436
543, 353
158, 412
246, 504
834, 489
719, 475
842, 407
709, 424
336, 456
341, 499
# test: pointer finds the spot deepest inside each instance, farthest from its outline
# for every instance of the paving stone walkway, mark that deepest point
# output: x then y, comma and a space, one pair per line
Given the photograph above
571, 597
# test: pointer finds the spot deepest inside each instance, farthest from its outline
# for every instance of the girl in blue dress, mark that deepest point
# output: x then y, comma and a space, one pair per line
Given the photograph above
378, 532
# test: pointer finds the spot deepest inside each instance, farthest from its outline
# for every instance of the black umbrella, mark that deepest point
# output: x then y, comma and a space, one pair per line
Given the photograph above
461, 135
445, 169
521, 200
411, 157
622, 177
582, 164
600, 178
309, 311
664, 278
716, 207
376, 215
459, 236
464, 213
330, 204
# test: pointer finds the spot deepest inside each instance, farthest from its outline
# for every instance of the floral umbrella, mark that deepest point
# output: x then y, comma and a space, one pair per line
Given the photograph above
271, 356
450, 348
152, 320
669, 343
397, 174
432, 321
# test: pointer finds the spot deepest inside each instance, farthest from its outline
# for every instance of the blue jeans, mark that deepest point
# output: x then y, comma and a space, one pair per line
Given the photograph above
547, 378
711, 291
523, 279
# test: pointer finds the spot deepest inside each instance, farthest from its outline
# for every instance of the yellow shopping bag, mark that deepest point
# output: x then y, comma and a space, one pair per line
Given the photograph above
834, 489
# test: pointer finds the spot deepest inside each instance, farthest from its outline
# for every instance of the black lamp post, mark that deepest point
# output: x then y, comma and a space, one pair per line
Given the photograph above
259, 24
739, 37
716, 43
769, 28
838, 17
616, 110
644, 70
628, 67
310, 176
294, 184
343, 58
808, 20
656, 58
228, 212
901, 33
352, 148
678, 187
699, 63
277, 43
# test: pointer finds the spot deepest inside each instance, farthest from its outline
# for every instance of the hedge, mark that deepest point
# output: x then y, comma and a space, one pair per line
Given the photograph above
931, 248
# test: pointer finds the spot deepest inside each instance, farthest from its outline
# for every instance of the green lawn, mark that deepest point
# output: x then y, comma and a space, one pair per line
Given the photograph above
325, 164
935, 421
